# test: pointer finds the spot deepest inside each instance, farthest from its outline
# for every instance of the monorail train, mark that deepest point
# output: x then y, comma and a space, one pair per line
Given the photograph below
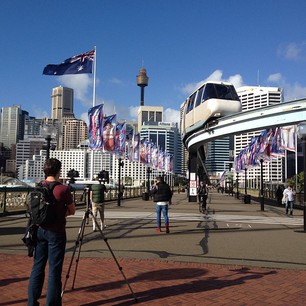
210, 101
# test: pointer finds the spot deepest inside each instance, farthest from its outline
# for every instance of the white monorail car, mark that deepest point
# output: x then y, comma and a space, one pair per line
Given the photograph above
210, 101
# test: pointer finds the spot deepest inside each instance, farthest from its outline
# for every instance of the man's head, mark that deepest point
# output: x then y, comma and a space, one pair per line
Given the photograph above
202, 183
159, 179
52, 167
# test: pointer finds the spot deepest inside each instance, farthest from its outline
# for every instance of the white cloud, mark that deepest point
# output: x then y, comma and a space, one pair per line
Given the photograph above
293, 51
236, 80
133, 112
81, 85
291, 91
276, 77
39, 113
172, 115
115, 81
84, 117
295, 91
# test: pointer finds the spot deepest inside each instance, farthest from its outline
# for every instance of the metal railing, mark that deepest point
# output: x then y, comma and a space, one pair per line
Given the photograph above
14, 199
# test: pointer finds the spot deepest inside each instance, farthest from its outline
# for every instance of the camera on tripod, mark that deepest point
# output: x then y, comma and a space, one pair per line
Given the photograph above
72, 174
103, 176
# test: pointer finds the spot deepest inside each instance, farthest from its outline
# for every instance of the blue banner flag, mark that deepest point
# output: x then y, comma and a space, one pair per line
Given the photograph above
95, 129
77, 64
120, 138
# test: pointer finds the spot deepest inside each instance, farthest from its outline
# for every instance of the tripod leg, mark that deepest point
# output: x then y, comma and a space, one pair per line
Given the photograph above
79, 252
113, 255
78, 243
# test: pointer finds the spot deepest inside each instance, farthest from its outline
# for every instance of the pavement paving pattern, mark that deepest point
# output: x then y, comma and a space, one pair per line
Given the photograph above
233, 255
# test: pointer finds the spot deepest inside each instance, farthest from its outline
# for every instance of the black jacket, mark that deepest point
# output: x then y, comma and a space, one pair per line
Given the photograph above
162, 192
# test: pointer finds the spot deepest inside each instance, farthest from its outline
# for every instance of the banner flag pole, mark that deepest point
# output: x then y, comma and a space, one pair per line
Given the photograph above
93, 105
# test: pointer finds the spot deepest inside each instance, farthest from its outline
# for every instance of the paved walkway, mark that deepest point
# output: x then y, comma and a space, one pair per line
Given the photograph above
235, 254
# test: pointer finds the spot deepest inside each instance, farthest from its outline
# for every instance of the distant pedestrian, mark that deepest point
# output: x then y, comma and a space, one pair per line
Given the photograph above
289, 193
162, 196
279, 195
202, 194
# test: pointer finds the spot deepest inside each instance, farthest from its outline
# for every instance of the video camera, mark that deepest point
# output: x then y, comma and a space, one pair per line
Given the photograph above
72, 174
103, 176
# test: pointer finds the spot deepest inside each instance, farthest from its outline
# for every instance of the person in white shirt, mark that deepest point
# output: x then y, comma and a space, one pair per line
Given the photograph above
289, 193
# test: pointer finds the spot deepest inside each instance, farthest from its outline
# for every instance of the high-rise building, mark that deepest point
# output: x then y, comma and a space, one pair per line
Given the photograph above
62, 102
27, 148
256, 97
12, 123
219, 156
74, 132
165, 135
149, 115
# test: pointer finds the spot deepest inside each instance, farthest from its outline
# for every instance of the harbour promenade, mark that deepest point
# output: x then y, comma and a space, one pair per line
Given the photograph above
235, 254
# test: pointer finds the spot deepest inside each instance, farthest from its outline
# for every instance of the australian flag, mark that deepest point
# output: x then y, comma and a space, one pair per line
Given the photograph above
77, 64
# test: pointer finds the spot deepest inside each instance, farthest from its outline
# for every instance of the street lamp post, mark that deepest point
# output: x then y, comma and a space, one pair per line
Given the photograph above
49, 132
48, 139
120, 192
245, 181
1, 175
262, 201
237, 185
149, 171
302, 135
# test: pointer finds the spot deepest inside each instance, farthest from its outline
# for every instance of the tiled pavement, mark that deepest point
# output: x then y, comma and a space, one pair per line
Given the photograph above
235, 255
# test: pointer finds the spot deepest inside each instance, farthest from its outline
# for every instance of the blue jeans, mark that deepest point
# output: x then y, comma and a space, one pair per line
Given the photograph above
50, 247
289, 205
164, 209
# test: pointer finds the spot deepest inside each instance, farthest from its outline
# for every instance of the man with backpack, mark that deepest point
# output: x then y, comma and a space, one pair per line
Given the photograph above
51, 240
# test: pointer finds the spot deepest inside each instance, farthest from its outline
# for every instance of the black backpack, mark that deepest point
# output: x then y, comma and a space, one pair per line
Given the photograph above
42, 204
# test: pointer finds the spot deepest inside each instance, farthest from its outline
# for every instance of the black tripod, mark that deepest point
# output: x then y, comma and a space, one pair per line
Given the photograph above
78, 245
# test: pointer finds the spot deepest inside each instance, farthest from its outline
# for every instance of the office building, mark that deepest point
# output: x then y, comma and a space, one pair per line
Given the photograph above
75, 131
12, 123
62, 102
27, 148
149, 115
256, 97
219, 157
165, 135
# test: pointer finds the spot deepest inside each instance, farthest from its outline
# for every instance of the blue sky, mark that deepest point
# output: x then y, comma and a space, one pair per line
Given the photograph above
181, 43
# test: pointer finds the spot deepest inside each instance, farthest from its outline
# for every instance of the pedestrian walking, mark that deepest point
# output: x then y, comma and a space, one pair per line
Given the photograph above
162, 195
202, 194
279, 195
289, 194
51, 242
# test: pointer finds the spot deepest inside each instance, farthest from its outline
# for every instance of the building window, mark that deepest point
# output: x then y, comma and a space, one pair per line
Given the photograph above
159, 117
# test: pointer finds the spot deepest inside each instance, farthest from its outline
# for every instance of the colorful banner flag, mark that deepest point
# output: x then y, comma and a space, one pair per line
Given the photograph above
288, 138
109, 133
154, 150
77, 64
143, 151
120, 139
95, 129
135, 147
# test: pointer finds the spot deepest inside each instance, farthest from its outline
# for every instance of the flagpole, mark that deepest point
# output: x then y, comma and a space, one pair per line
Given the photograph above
93, 105
296, 158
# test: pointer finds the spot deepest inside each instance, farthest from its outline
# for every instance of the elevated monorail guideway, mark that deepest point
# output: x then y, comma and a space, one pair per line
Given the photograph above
282, 114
